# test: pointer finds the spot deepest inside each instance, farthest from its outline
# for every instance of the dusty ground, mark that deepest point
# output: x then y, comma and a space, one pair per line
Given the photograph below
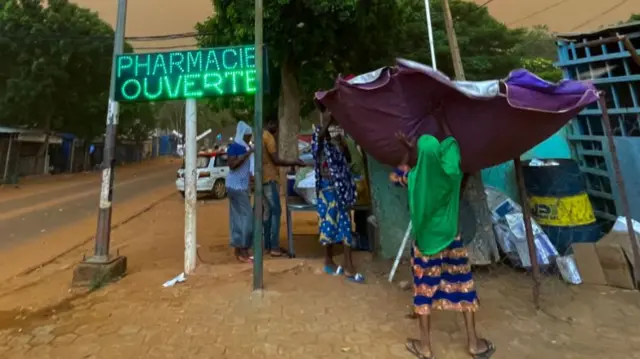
302, 313
42, 205
47, 216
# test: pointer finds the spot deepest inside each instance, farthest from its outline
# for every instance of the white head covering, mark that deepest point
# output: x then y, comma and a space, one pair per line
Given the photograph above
241, 130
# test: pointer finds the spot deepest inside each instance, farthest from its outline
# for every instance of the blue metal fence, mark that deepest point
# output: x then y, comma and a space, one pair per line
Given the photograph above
602, 57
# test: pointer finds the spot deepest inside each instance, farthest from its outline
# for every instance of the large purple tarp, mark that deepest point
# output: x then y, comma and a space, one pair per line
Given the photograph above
493, 121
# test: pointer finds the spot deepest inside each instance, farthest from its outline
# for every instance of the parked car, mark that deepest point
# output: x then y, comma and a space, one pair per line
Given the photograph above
212, 171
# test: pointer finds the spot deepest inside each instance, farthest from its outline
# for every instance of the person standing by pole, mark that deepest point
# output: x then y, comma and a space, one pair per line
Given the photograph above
272, 206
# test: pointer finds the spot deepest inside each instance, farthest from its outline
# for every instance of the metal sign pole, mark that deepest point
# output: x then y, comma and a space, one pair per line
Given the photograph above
258, 280
190, 190
427, 8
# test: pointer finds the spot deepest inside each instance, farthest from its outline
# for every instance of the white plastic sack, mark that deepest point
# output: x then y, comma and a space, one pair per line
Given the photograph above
515, 221
305, 185
505, 238
545, 250
569, 269
621, 225
500, 204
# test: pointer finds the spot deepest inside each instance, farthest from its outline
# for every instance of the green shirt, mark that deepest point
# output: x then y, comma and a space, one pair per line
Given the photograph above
434, 193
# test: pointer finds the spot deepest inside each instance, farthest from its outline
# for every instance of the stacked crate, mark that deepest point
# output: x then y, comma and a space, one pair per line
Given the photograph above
604, 57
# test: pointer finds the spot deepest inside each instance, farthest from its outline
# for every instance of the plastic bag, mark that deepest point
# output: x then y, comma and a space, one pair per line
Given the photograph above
305, 185
569, 269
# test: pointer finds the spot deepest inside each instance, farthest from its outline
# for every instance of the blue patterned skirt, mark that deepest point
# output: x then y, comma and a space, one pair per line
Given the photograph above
443, 281
335, 221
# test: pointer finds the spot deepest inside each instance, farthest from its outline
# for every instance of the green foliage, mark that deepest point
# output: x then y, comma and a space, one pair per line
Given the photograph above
317, 39
324, 38
634, 17
536, 42
171, 116
488, 48
544, 68
55, 69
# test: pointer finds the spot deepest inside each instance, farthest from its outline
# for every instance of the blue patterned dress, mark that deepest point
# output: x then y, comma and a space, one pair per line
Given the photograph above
336, 194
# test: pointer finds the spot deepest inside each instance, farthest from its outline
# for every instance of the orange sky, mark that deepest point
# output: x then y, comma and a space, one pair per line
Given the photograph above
562, 15
155, 17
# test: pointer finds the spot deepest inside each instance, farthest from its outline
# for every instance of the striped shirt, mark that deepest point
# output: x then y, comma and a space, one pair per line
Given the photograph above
238, 178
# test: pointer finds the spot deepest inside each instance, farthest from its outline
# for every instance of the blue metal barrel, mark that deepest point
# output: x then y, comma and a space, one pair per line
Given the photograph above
560, 204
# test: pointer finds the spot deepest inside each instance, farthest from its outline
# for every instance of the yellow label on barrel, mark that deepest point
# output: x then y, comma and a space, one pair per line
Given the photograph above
562, 211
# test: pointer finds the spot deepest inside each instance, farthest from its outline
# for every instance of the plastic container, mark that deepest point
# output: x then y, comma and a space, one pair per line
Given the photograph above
560, 204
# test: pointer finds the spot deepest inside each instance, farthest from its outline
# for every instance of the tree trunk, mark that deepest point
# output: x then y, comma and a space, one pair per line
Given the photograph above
483, 248
289, 124
43, 148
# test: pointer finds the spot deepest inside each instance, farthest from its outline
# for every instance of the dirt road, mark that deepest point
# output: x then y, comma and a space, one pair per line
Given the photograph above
30, 211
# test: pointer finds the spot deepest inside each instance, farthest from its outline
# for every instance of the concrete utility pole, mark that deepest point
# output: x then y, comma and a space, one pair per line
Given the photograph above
453, 42
258, 280
190, 191
102, 266
474, 192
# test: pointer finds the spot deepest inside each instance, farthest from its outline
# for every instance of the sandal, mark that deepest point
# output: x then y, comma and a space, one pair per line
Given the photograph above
487, 353
242, 259
413, 347
330, 270
411, 316
277, 253
356, 278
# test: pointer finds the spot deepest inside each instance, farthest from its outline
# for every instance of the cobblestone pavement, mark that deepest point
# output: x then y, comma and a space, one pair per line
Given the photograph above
302, 313
307, 314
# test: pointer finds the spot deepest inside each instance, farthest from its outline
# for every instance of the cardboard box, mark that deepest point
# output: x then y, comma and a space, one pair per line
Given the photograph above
607, 262
588, 263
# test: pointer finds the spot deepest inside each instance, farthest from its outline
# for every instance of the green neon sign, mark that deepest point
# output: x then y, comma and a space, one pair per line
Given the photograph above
186, 74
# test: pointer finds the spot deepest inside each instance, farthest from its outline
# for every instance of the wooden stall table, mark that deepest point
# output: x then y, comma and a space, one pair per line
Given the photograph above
297, 204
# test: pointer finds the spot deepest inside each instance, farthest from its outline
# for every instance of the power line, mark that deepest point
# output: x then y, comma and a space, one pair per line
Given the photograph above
486, 3
538, 12
601, 14
166, 47
147, 38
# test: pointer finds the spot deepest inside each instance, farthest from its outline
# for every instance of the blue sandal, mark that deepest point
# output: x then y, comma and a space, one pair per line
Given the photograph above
332, 271
356, 278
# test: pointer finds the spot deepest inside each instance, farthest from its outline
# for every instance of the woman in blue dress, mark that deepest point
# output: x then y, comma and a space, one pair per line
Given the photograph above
336, 194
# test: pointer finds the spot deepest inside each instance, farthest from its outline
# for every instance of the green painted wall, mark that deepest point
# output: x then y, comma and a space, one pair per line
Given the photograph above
389, 206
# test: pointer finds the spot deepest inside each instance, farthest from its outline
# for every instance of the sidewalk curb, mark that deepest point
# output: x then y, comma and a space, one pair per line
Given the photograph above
135, 215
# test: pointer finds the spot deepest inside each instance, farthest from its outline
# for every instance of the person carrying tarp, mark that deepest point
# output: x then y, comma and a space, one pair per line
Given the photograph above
440, 262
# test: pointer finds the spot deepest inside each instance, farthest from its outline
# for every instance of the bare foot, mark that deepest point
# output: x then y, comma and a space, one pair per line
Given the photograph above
415, 347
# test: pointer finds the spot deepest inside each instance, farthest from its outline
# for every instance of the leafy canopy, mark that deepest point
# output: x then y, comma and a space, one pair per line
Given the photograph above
55, 68
314, 39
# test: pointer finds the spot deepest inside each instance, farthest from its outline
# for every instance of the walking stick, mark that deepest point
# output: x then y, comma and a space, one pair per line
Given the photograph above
400, 252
